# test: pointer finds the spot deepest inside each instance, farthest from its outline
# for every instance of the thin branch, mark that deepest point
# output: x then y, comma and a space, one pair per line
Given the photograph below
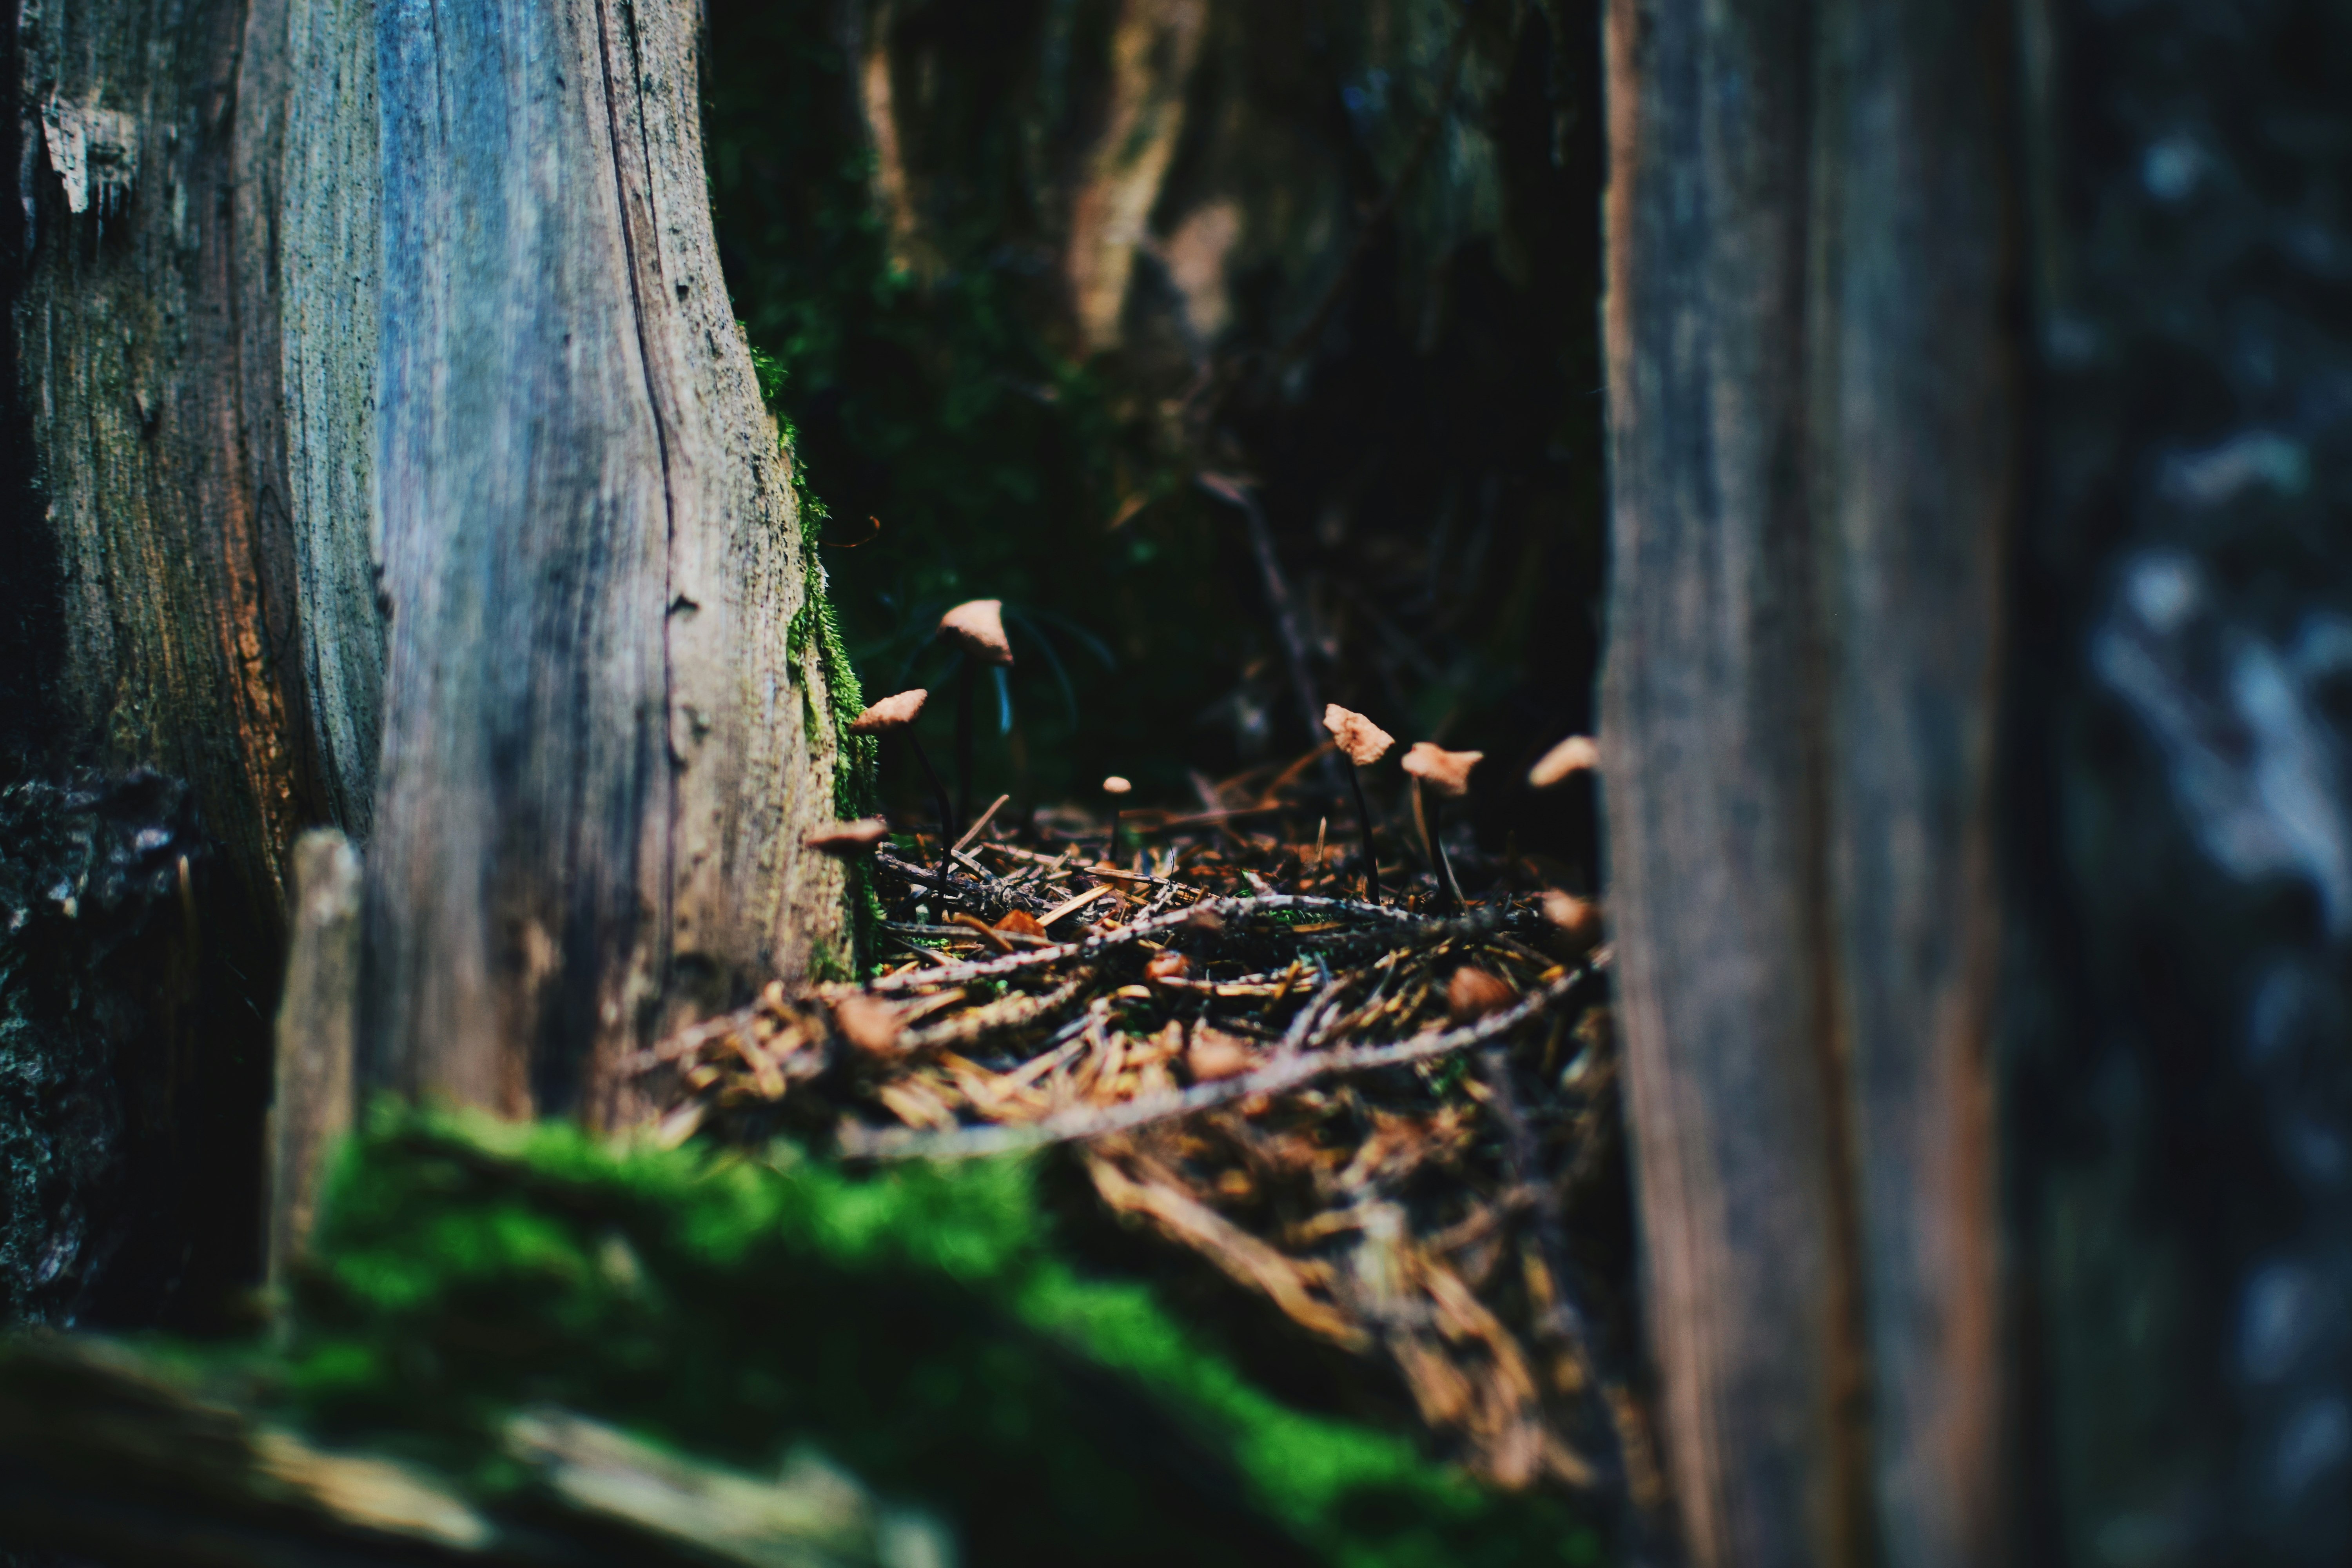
1280, 1077
1237, 493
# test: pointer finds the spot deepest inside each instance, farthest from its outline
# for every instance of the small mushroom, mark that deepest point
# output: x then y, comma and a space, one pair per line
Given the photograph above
976, 628
1362, 742
1115, 785
869, 1023
896, 716
890, 713
1215, 1055
1576, 920
1446, 774
849, 839
1577, 755
1472, 992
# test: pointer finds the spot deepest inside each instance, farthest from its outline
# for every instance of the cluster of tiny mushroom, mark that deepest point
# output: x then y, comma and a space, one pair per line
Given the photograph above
1438, 773
977, 628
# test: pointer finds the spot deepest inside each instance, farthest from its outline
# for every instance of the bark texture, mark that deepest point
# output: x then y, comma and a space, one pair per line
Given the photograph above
114, 1179
613, 720
1812, 383
150, 384
607, 723
323, 167
147, 354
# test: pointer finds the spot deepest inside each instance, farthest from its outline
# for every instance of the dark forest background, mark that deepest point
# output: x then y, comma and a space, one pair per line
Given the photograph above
1366, 283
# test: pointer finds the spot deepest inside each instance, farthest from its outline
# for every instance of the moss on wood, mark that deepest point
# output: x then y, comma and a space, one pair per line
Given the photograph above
919, 1325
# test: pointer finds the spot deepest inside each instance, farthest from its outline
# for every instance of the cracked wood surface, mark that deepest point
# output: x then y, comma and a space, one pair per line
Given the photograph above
601, 746
466, 478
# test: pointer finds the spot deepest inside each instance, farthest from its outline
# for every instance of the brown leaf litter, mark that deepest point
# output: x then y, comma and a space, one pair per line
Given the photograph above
1383, 1124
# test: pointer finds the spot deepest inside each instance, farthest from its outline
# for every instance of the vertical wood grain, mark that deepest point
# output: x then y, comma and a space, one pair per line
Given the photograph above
327, 250
314, 1100
601, 743
150, 420
1808, 325
148, 349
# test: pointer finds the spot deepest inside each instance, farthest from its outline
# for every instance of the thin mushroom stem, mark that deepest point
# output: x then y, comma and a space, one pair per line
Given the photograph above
1429, 815
1364, 825
939, 802
963, 737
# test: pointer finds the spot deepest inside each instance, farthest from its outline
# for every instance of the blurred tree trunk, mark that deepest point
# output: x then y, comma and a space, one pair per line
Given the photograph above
1890, 290
1813, 378
440, 507
166, 201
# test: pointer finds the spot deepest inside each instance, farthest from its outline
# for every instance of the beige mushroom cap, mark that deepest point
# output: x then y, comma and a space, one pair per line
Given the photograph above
869, 1023
848, 838
1213, 1054
1578, 920
978, 626
1447, 772
1577, 755
1363, 742
1115, 785
1472, 992
890, 713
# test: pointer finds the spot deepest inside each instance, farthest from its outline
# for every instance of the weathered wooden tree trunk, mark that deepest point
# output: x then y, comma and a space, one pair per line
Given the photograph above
401, 466
605, 731
1813, 367
148, 291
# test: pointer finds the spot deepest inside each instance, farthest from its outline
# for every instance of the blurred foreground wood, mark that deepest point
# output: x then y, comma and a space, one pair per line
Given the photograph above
396, 462
1812, 377
105, 1459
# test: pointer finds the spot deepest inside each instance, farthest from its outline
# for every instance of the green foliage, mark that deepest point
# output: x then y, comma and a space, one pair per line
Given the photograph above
918, 1325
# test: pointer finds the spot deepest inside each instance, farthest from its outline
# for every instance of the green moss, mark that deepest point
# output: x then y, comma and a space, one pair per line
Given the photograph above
854, 791
919, 1325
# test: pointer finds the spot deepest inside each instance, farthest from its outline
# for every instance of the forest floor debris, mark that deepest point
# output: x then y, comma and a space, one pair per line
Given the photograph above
1395, 1124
